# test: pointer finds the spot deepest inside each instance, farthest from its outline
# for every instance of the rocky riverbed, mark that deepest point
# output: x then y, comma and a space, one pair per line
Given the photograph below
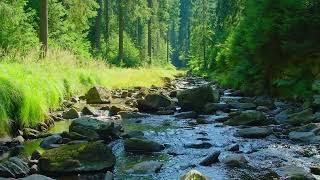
188, 129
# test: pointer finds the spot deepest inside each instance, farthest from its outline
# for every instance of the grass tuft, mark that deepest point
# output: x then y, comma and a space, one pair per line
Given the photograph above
29, 89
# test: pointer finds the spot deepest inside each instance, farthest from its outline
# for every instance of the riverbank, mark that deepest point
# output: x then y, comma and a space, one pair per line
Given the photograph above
30, 89
186, 127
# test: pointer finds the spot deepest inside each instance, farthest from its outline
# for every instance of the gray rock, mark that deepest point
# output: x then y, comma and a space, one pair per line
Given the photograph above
194, 175
146, 167
308, 137
88, 110
36, 177
248, 118
92, 128
254, 132
233, 147
48, 141
263, 109
108, 176
98, 95
234, 160
186, 115
243, 106
196, 98
294, 172
71, 114
202, 145
315, 170
235, 99
141, 146
213, 158
154, 102
77, 158
213, 107
301, 118
14, 167
132, 115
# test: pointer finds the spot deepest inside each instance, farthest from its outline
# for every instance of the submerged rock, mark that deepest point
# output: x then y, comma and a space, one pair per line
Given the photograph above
186, 115
194, 175
136, 145
196, 98
98, 95
248, 118
85, 157
294, 172
36, 177
154, 102
254, 132
146, 167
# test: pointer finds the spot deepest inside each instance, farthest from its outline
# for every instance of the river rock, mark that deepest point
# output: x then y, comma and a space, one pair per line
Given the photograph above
196, 98
315, 170
194, 175
213, 158
88, 110
98, 95
294, 172
308, 137
71, 114
146, 167
301, 118
248, 118
202, 145
115, 109
85, 157
136, 145
213, 107
154, 102
234, 160
36, 177
186, 115
254, 132
92, 128
243, 106
264, 101
49, 141
14, 167
132, 115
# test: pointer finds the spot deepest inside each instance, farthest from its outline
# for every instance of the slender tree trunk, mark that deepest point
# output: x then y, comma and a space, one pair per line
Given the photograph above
121, 29
97, 33
150, 33
168, 45
44, 27
107, 14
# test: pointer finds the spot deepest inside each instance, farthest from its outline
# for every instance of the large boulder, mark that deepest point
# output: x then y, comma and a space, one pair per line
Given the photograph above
194, 175
14, 167
141, 146
154, 102
98, 95
254, 132
93, 129
84, 157
195, 99
248, 118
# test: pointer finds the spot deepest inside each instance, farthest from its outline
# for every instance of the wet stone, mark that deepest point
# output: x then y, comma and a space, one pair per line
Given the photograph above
213, 158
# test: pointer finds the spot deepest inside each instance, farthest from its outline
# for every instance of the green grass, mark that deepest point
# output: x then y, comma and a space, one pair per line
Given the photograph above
30, 89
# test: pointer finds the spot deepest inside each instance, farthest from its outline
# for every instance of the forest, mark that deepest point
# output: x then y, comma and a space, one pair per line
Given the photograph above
148, 83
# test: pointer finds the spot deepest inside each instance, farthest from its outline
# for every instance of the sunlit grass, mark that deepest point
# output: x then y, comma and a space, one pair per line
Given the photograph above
29, 88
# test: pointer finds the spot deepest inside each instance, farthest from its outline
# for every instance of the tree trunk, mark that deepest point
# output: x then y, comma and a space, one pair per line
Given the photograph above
44, 27
121, 29
107, 14
168, 45
150, 33
97, 27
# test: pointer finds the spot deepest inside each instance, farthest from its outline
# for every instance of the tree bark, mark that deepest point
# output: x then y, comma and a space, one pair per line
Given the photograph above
107, 31
121, 29
150, 33
44, 27
97, 33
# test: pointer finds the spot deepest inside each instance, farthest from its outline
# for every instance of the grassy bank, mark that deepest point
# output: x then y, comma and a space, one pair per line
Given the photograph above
29, 89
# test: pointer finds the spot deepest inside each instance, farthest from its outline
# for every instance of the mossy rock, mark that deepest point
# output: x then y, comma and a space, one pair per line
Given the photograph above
136, 145
249, 118
69, 159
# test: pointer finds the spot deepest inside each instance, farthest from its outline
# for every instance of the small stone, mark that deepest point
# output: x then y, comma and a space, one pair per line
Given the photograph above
34, 169
234, 160
88, 110
36, 155
202, 145
47, 143
233, 147
186, 115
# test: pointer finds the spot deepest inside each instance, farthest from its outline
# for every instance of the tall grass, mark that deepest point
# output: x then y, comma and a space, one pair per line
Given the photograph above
29, 88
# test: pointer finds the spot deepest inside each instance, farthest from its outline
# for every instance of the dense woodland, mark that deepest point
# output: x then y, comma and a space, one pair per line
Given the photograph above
262, 46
